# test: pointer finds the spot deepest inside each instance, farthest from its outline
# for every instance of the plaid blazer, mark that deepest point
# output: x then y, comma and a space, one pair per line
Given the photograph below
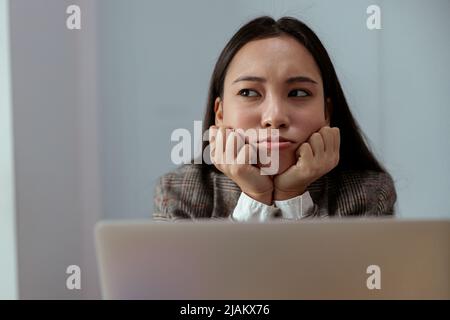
186, 193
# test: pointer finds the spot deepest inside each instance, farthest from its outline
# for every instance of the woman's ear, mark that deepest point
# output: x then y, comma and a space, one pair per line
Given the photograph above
328, 110
218, 110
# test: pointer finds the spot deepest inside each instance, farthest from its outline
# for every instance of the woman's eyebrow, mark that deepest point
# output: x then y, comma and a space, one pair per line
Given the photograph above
289, 80
300, 79
250, 78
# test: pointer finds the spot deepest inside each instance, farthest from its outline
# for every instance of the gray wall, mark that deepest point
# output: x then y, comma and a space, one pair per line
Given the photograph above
8, 247
94, 109
54, 110
415, 95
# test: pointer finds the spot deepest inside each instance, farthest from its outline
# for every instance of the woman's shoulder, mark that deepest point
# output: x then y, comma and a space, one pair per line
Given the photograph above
180, 193
196, 174
182, 174
195, 179
366, 192
194, 191
369, 179
351, 183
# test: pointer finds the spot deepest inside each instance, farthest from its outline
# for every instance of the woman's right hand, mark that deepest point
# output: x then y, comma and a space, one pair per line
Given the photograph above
231, 155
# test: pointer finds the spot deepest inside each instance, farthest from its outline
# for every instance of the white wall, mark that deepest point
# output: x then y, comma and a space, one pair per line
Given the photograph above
415, 100
8, 256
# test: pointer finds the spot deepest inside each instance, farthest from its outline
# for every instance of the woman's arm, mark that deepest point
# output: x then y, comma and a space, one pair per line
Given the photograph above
165, 207
181, 194
386, 196
366, 193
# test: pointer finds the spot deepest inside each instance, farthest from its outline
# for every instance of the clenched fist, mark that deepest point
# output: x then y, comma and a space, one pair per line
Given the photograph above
232, 155
316, 157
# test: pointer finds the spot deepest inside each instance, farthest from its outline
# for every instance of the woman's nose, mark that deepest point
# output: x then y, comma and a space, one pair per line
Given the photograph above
275, 116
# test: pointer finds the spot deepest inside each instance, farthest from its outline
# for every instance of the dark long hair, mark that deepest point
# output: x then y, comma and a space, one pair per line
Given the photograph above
354, 151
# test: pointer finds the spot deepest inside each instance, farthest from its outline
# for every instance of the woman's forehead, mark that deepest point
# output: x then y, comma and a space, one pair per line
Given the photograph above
273, 58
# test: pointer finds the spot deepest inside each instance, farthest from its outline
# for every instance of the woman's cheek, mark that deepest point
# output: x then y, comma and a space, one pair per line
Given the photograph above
310, 124
239, 119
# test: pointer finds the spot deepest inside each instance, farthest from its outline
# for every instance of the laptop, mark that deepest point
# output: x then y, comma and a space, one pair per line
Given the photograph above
347, 258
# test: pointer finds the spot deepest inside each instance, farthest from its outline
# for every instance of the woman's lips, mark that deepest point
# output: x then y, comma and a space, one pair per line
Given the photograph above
276, 145
280, 143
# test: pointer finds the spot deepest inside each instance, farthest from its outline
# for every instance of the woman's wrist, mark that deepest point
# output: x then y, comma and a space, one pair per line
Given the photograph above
280, 195
264, 197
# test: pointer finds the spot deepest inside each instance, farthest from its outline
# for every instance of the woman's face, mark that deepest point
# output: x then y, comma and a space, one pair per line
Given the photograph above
274, 83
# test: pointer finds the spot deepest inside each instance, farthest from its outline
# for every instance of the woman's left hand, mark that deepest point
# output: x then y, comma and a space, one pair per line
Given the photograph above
316, 157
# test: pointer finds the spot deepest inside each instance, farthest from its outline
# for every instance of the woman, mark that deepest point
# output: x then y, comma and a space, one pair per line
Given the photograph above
277, 76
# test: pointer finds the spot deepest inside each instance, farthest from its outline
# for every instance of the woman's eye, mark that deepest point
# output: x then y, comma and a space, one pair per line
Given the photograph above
248, 93
298, 93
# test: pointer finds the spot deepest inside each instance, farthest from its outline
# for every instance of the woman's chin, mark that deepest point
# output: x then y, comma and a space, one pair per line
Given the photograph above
283, 165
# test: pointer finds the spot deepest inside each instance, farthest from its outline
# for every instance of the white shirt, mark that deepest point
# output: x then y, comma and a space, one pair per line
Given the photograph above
248, 209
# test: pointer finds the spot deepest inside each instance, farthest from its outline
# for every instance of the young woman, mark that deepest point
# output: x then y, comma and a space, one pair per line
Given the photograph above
277, 76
